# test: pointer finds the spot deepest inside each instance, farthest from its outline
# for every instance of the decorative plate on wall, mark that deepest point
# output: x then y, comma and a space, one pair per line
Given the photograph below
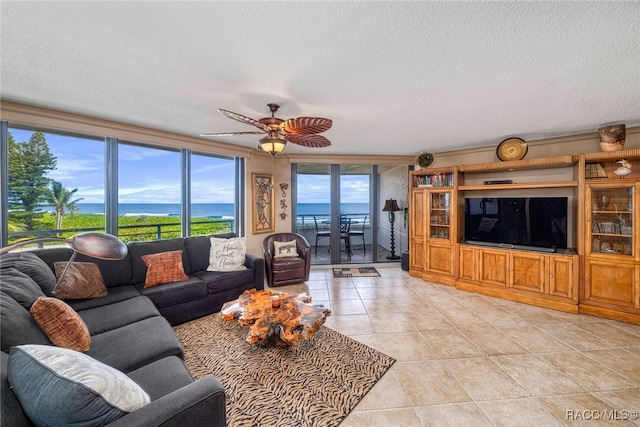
512, 149
424, 160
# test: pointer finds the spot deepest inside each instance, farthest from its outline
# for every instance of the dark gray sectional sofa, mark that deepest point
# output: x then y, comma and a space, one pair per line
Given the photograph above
131, 328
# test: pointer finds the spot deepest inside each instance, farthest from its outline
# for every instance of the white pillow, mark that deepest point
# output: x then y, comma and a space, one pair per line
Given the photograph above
227, 254
58, 385
285, 249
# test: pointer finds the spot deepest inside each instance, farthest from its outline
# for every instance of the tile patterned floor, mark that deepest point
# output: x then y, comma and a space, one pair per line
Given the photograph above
467, 359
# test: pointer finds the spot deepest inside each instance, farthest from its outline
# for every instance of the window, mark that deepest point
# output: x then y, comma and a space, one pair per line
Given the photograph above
213, 194
55, 186
59, 185
149, 193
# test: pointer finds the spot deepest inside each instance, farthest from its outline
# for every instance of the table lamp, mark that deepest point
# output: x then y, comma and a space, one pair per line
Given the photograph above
391, 206
96, 245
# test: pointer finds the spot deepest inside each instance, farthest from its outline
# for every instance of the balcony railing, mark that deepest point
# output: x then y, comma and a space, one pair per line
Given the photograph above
142, 232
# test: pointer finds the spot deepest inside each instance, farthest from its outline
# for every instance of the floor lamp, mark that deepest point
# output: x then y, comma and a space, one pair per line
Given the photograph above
96, 245
392, 207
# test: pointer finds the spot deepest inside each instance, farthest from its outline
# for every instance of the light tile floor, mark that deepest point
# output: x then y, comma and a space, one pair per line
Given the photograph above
464, 359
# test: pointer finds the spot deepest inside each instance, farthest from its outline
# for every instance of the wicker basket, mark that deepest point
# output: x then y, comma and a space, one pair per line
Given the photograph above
607, 146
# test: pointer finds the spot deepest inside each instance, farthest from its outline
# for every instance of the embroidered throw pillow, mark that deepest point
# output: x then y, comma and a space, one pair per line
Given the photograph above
63, 387
61, 324
227, 254
82, 280
165, 267
285, 249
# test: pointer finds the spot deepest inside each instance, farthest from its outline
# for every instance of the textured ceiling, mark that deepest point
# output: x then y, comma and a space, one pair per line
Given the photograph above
395, 77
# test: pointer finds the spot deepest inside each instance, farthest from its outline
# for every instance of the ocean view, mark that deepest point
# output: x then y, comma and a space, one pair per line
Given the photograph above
213, 210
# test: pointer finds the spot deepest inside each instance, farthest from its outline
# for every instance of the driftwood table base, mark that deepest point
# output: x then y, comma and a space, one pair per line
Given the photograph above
276, 318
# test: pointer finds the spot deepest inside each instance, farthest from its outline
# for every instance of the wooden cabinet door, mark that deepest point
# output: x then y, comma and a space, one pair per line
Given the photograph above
611, 283
492, 267
468, 263
417, 230
440, 259
439, 218
560, 276
526, 272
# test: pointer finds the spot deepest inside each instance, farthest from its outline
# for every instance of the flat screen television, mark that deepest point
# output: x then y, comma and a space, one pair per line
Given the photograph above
537, 223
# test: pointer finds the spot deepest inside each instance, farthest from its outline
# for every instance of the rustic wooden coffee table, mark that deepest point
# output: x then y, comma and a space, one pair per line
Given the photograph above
276, 318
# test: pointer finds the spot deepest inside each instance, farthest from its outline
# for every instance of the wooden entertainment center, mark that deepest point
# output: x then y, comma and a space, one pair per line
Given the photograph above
599, 273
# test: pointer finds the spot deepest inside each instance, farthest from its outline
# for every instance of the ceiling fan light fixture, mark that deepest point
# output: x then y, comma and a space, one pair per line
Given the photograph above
272, 145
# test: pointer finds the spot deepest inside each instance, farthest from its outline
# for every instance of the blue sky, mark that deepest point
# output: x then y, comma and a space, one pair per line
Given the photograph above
148, 175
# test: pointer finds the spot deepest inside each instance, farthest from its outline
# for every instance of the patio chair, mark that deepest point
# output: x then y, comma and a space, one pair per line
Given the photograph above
358, 231
320, 233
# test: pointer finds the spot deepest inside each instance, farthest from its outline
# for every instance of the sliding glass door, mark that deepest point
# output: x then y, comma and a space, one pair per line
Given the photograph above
334, 211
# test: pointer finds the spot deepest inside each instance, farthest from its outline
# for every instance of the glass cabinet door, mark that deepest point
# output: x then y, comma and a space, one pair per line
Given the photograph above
440, 215
611, 216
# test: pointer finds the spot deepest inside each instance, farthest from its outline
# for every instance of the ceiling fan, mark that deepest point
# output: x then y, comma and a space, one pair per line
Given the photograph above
300, 130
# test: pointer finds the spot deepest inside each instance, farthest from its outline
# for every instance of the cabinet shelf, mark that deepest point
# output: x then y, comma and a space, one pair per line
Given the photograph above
519, 186
444, 187
541, 163
613, 155
612, 212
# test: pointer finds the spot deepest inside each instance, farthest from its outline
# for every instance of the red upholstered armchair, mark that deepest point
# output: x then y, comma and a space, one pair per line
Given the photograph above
286, 264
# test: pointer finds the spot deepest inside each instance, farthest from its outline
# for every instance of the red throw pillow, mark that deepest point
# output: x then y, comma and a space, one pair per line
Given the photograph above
61, 324
165, 267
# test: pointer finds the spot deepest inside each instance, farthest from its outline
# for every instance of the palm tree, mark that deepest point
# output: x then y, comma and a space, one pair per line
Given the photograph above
60, 198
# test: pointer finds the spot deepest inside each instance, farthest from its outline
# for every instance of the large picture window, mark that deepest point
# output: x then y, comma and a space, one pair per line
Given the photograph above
56, 186
149, 193
213, 194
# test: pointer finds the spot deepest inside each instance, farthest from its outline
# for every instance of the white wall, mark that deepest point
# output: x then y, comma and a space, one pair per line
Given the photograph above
394, 185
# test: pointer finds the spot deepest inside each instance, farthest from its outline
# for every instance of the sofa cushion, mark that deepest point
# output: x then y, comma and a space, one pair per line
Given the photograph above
221, 281
112, 316
177, 292
175, 375
138, 249
31, 265
114, 272
61, 324
11, 413
20, 287
164, 267
198, 248
57, 386
17, 327
117, 293
136, 344
81, 280
227, 254
283, 264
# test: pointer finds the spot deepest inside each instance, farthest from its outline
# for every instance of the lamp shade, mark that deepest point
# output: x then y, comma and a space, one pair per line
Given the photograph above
390, 206
98, 245
272, 145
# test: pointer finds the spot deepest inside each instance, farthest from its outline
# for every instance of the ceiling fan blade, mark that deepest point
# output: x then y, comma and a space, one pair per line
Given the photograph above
243, 119
316, 141
306, 125
255, 132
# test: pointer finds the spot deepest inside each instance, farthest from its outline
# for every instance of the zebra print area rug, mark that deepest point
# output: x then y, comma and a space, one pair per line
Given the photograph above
316, 384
